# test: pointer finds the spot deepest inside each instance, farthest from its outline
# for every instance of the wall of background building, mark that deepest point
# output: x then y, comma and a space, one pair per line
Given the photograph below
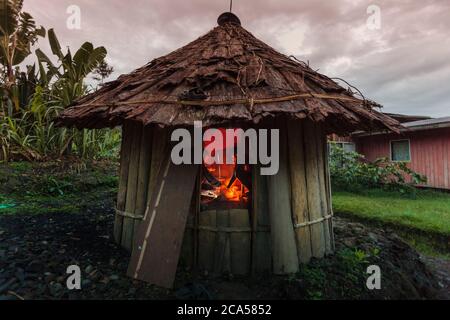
430, 152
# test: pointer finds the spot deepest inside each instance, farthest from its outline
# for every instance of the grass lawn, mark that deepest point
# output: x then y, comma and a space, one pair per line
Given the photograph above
429, 212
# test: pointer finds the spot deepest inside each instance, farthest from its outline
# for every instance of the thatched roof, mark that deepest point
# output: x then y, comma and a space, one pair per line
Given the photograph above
225, 76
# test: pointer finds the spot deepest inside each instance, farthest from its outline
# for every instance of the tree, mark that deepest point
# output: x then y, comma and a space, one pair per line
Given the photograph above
103, 71
18, 33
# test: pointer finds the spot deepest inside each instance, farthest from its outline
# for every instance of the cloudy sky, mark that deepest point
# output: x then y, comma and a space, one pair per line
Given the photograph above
404, 64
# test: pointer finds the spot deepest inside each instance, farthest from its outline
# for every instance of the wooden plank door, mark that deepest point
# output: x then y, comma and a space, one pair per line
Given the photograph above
159, 238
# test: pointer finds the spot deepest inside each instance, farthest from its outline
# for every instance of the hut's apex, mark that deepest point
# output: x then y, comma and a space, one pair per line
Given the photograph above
228, 17
226, 76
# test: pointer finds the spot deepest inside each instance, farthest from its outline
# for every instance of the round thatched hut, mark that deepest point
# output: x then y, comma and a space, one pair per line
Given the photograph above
226, 79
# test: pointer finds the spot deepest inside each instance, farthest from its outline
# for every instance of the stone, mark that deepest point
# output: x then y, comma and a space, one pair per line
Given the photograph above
56, 289
373, 237
349, 242
35, 266
89, 269
86, 283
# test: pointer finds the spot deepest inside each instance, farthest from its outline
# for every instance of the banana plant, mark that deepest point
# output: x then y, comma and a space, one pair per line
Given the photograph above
66, 78
18, 33
70, 70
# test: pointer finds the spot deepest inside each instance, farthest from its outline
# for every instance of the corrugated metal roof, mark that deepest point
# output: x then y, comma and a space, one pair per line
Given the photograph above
428, 122
412, 126
402, 118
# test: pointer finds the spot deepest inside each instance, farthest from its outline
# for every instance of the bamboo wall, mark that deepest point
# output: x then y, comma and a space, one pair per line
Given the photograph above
140, 159
295, 205
289, 221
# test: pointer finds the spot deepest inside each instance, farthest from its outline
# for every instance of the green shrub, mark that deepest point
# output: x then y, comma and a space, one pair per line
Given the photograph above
350, 171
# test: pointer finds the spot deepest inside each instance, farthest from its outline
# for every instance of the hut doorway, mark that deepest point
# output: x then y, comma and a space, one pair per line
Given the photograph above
222, 228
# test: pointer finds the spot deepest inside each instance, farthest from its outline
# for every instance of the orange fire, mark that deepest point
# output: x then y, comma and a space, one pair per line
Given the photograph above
219, 188
237, 192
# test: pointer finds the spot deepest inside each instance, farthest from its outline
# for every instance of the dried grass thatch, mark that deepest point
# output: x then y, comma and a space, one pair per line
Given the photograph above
225, 76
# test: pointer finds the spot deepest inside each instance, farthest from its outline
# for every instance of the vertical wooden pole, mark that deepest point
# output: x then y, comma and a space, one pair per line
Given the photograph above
321, 157
197, 196
145, 156
240, 242
254, 218
284, 248
261, 252
222, 243
328, 190
130, 206
159, 146
206, 240
188, 247
125, 151
314, 191
299, 189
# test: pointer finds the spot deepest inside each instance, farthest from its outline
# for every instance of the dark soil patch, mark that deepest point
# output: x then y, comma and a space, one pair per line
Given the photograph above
439, 241
441, 269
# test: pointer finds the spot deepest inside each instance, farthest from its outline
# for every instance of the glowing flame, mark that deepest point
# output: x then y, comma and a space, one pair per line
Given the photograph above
224, 174
237, 192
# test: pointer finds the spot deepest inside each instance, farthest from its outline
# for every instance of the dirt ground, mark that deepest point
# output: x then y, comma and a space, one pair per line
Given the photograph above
36, 249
